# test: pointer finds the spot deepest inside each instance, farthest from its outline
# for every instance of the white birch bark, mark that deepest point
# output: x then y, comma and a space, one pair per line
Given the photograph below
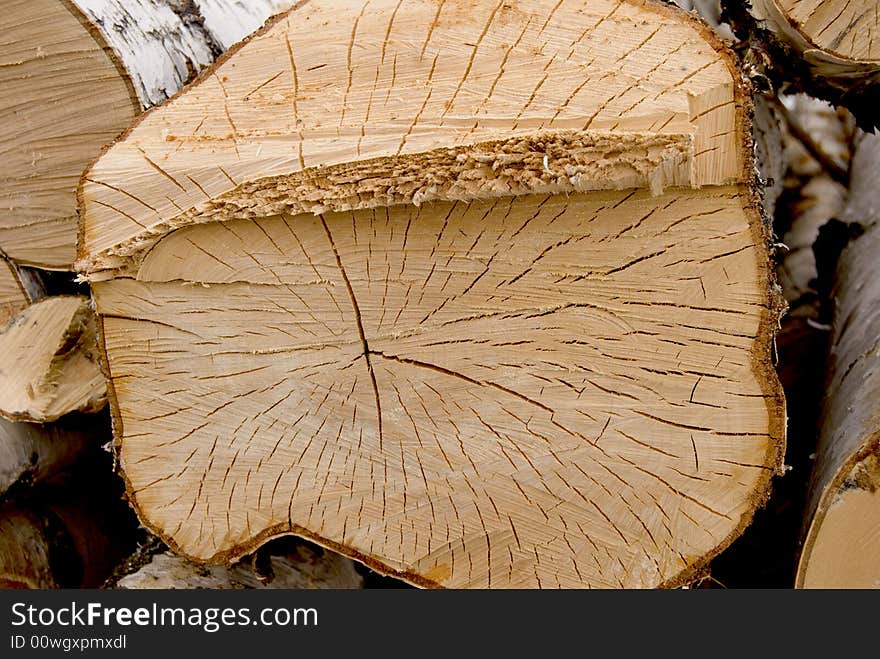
162, 42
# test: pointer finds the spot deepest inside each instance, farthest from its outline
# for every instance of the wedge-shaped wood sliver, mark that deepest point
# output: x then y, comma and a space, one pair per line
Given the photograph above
12, 294
825, 47
74, 74
474, 292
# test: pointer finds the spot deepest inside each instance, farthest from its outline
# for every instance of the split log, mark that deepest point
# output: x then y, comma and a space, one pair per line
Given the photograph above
74, 74
842, 545
30, 453
50, 361
304, 567
836, 35
24, 551
477, 294
12, 295
711, 12
827, 47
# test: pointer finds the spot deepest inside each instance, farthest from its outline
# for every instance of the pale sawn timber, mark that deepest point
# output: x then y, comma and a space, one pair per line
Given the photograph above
476, 293
74, 74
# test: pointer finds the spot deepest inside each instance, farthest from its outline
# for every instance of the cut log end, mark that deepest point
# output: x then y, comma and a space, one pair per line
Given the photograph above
842, 544
51, 365
470, 358
824, 47
68, 120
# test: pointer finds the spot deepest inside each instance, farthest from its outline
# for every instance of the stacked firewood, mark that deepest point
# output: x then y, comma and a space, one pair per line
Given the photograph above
473, 294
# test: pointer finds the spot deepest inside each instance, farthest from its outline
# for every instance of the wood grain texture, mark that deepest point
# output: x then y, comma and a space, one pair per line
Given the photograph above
475, 293
74, 74
12, 295
844, 29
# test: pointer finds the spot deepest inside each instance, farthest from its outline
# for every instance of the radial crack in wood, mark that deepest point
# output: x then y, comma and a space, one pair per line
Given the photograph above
74, 74
380, 286
50, 361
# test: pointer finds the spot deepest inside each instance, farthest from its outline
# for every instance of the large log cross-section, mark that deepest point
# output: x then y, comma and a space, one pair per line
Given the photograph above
475, 292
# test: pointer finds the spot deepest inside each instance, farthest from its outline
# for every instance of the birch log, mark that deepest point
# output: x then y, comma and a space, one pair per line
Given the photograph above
842, 546
838, 34
814, 196
74, 73
12, 295
829, 48
303, 567
475, 293
64, 544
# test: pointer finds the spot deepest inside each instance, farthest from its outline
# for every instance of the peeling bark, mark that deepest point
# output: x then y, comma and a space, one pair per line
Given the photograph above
50, 361
302, 567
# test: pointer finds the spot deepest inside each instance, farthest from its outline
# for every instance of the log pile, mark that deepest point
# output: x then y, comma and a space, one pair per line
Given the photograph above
475, 294
74, 75
841, 548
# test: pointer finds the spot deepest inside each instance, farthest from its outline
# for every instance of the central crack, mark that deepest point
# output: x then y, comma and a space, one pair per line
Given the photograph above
360, 327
